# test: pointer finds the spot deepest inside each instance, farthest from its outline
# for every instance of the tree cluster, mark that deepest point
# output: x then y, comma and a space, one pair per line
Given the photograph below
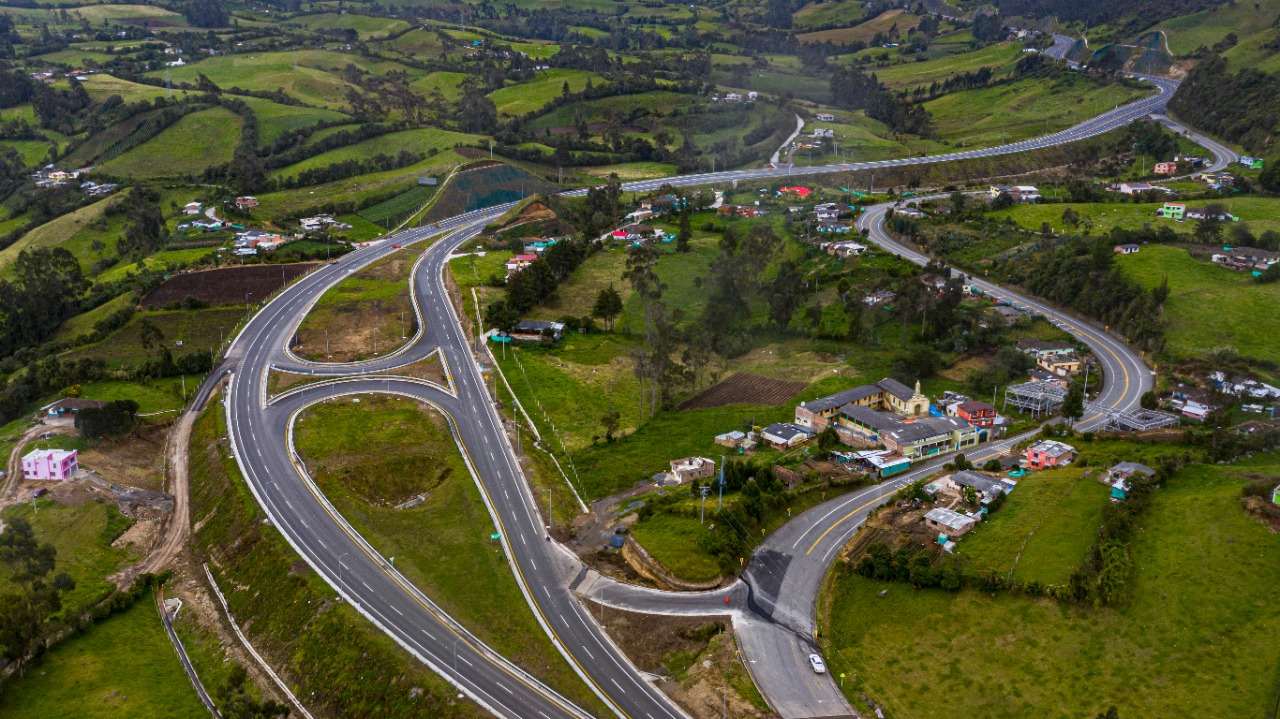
1241, 107
45, 289
853, 89
116, 418
31, 596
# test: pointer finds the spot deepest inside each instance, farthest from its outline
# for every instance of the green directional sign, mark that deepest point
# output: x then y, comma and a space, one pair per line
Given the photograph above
495, 536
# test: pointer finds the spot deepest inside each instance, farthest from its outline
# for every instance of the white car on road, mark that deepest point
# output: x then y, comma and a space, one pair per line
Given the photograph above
816, 662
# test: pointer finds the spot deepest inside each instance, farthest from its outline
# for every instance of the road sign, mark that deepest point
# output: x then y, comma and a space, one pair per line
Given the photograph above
495, 536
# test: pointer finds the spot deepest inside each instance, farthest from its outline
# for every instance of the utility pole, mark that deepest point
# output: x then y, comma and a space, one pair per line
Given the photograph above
550, 517
720, 502
703, 490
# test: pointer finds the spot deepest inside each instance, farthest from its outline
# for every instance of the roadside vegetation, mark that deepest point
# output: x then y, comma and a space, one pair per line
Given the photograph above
390, 466
324, 648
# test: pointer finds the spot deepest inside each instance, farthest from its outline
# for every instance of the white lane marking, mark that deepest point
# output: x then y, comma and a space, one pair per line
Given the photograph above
547, 591
397, 610
504, 686
464, 659
366, 586
522, 539
619, 686
588, 651
433, 637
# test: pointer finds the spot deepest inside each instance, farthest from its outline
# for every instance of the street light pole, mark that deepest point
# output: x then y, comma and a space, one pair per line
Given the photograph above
550, 517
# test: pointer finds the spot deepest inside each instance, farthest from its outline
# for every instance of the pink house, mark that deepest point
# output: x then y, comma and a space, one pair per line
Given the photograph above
1049, 453
49, 464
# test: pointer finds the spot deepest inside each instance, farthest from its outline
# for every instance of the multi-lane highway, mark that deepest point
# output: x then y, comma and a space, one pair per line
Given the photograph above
783, 580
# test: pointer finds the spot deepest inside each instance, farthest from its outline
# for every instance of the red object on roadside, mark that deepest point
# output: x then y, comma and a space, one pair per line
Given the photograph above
726, 600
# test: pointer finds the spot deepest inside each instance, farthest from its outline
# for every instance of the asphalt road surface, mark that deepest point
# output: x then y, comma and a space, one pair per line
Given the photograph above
782, 584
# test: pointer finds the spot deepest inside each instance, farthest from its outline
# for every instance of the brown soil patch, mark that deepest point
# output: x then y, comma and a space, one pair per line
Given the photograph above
136, 460
1261, 509
743, 388
227, 285
696, 656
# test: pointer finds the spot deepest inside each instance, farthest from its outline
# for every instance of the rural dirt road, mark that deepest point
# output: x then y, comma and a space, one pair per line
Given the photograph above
178, 528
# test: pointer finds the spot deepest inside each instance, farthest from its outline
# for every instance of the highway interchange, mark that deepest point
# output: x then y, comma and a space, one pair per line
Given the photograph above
772, 608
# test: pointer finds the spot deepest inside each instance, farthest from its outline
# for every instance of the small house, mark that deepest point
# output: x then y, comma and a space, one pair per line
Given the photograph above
736, 440
1166, 168
785, 435
820, 132
949, 522
1049, 453
1128, 248
1172, 211
978, 414
1061, 365
53, 464
689, 469
519, 263
247, 202
537, 330
824, 117
191, 208
1132, 188
879, 298
1122, 472
1253, 163
834, 227
846, 249
987, 487
1196, 411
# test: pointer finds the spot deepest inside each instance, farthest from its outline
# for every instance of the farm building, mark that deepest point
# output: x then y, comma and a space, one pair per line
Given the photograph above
784, 435
1127, 248
537, 330
949, 522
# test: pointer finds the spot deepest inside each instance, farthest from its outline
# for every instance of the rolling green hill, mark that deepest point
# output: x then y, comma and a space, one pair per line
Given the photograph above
1209, 306
188, 147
